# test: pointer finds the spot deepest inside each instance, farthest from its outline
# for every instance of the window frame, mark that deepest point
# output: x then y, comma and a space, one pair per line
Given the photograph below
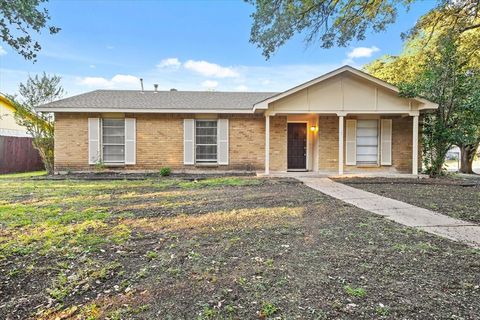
363, 163
205, 161
103, 144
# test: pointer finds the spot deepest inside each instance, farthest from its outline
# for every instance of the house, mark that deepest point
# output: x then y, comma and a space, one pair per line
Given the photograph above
17, 153
342, 121
8, 125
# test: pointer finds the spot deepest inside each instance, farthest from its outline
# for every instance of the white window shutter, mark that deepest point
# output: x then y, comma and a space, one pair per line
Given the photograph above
188, 141
351, 142
94, 141
130, 140
386, 142
222, 141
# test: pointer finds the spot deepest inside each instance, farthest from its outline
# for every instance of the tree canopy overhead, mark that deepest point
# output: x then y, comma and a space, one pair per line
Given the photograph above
18, 20
338, 22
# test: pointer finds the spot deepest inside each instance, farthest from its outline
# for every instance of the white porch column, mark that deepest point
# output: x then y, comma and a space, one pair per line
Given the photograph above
340, 144
415, 146
267, 144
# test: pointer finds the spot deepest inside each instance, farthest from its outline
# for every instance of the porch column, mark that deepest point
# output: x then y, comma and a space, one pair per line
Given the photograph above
415, 146
340, 144
267, 144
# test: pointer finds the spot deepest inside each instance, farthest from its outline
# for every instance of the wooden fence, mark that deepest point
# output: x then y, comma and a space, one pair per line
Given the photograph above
18, 155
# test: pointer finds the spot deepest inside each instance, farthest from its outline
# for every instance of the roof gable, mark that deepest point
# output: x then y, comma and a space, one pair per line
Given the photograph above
325, 79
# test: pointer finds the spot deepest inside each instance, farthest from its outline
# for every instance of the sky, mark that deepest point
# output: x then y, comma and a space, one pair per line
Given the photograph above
187, 45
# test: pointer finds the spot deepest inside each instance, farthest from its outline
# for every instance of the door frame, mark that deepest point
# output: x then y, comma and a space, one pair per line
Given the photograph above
307, 156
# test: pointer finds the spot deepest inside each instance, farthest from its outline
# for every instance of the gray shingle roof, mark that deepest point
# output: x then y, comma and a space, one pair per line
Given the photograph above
118, 100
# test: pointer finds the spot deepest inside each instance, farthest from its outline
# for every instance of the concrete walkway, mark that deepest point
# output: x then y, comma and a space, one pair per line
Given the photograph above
398, 211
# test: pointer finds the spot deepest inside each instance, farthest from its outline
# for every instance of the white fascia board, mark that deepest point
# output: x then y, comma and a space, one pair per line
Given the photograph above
106, 110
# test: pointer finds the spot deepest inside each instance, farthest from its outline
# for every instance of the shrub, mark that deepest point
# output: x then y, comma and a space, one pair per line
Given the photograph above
164, 172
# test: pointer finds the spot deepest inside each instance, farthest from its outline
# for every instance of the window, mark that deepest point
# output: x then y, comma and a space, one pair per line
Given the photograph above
367, 142
113, 141
205, 141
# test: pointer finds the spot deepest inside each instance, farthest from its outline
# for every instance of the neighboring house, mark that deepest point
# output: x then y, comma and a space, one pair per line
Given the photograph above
17, 153
343, 121
8, 125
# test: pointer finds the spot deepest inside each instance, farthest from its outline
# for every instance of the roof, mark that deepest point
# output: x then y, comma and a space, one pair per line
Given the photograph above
264, 103
196, 101
160, 101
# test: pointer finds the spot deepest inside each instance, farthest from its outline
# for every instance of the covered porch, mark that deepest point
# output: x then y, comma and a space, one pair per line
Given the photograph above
344, 121
342, 143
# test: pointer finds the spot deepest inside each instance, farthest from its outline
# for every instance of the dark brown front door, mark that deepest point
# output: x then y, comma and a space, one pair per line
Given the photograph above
297, 146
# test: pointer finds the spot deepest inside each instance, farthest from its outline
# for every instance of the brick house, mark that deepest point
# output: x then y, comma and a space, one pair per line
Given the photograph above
343, 121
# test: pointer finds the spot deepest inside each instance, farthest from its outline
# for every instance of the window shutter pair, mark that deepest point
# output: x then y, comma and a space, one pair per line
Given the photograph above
94, 140
385, 142
189, 141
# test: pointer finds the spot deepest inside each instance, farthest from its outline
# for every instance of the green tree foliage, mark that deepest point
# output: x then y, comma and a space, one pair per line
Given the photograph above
446, 81
338, 22
460, 23
18, 19
37, 91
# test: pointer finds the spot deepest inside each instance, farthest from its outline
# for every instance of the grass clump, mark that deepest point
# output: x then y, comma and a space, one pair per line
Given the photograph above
165, 172
355, 292
268, 310
23, 175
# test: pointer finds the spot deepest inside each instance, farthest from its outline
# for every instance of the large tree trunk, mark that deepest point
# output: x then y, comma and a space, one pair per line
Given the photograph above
467, 154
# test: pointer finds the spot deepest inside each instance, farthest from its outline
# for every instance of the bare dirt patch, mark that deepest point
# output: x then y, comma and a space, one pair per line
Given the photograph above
224, 248
458, 198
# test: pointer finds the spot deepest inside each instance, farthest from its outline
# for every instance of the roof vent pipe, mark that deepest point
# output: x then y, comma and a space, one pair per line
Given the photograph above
156, 87
141, 83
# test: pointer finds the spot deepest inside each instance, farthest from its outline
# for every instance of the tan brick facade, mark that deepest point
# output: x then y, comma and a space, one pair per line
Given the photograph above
278, 143
71, 141
159, 142
328, 143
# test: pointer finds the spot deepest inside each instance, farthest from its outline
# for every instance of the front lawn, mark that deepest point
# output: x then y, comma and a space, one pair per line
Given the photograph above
221, 248
458, 198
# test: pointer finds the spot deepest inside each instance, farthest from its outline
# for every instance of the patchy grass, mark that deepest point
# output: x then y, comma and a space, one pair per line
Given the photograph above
220, 248
458, 198
23, 175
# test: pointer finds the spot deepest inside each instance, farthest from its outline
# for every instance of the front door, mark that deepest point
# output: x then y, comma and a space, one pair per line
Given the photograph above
297, 146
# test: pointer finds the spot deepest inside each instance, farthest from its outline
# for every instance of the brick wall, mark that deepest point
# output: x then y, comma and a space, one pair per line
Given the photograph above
278, 143
328, 143
71, 141
160, 142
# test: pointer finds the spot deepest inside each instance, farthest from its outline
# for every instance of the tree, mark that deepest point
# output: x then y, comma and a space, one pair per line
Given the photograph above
468, 133
37, 91
338, 22
18, 18
422, 44
446, 81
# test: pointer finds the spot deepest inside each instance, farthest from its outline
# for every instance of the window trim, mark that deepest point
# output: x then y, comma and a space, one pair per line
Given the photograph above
204, 162
102, 144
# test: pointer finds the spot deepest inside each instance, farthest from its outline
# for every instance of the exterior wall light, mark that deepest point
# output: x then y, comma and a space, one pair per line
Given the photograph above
313, 128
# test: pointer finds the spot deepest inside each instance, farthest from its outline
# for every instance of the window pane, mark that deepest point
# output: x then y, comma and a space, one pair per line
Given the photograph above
113, 140
367, 141
113, 153
206, 141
